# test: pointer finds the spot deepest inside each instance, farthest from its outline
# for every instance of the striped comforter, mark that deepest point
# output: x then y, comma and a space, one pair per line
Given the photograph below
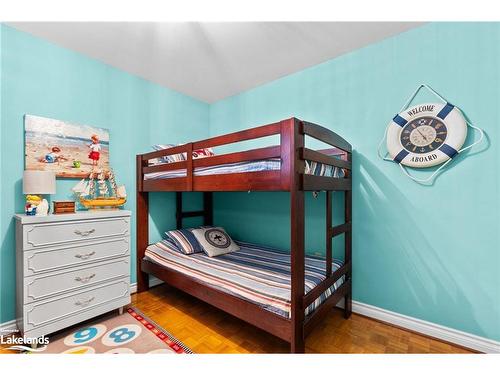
255, 273
315, 168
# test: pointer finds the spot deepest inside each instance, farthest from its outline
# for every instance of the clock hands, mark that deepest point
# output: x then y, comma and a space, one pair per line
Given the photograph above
425, 138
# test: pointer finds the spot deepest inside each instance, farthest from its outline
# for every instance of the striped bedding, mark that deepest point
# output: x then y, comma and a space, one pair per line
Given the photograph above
254, 273
312, 167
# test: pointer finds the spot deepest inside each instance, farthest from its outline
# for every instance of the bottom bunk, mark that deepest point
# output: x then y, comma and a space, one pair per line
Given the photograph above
253, 283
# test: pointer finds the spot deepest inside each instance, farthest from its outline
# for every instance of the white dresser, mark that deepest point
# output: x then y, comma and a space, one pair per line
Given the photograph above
70, 267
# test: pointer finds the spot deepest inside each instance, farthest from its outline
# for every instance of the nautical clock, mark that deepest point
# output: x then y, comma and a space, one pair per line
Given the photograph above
426, 135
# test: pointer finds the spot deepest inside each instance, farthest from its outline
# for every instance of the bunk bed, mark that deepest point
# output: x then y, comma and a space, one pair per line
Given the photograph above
281, 167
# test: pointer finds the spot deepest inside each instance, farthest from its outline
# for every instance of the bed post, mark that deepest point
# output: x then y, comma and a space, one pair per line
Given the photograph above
348, 243
292, 140
142, 227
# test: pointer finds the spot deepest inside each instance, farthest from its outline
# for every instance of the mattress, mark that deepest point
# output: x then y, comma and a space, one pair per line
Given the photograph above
255, 273
274, 164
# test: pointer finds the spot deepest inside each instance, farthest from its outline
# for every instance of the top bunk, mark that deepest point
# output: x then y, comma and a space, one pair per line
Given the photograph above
286, 166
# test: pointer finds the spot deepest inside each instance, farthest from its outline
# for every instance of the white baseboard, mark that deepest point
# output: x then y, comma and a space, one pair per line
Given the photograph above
153, 281
9, 327
429, 329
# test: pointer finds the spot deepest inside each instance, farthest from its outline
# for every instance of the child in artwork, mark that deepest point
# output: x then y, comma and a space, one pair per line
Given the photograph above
54, 156
95, 150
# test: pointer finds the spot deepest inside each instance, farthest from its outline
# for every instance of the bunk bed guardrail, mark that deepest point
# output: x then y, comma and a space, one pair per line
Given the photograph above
265, 180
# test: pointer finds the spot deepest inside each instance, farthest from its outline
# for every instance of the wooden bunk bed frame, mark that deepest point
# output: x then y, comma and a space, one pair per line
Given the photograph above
291, 178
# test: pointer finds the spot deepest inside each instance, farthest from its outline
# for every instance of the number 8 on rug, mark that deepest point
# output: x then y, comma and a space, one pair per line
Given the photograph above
122, 335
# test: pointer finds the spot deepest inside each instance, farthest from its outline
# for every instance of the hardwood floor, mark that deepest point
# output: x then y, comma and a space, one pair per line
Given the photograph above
206, 329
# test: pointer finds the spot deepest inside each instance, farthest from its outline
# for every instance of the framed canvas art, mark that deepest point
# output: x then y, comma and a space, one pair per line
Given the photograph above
70, 150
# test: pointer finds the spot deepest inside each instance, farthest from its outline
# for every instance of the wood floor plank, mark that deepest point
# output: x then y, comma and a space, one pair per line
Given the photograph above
213, 331
206, 329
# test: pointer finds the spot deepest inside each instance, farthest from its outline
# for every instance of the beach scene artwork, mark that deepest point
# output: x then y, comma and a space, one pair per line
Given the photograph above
70, 150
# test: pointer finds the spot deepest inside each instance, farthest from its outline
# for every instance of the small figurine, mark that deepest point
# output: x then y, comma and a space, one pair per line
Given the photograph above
95, 149
43, 208
32, 202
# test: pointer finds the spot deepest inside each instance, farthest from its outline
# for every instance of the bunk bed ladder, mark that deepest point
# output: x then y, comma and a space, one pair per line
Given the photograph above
207, 211
333, 231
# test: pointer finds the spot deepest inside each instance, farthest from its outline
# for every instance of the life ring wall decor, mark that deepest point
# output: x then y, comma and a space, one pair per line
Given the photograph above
426, 135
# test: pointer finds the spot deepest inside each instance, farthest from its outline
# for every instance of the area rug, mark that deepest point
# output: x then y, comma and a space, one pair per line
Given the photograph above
129, 333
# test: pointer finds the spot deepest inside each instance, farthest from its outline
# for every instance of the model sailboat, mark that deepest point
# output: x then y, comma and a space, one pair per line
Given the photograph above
97, 192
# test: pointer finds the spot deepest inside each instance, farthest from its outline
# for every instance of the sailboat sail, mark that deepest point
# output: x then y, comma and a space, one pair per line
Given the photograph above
103, 186
87, 190
80, 187
121, 192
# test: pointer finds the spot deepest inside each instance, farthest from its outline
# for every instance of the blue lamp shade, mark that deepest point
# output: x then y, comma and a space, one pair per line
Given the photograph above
39, 182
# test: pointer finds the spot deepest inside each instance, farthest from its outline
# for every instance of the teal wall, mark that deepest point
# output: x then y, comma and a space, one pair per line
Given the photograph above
428, 252
42, 79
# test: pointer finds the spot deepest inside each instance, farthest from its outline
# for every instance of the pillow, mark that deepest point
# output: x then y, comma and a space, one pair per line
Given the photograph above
215, 241
156, 161
169, 158
203, 153
197, 154
169, 244
185, 241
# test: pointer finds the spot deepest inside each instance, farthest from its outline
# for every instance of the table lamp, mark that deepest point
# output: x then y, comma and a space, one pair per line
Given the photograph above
36, 183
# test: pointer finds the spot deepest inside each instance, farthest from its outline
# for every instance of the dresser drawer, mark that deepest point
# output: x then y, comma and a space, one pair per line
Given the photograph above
56, 283
49, 311
44, 260
51, 234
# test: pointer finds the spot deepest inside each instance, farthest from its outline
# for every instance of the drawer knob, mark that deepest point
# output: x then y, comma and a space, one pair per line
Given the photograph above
84, 279
85, 256
84, 302
84, 233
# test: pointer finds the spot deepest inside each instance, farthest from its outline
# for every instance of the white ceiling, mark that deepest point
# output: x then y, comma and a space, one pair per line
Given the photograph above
211, 61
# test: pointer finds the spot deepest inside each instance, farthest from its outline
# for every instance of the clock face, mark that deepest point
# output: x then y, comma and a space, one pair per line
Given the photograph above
423, 135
